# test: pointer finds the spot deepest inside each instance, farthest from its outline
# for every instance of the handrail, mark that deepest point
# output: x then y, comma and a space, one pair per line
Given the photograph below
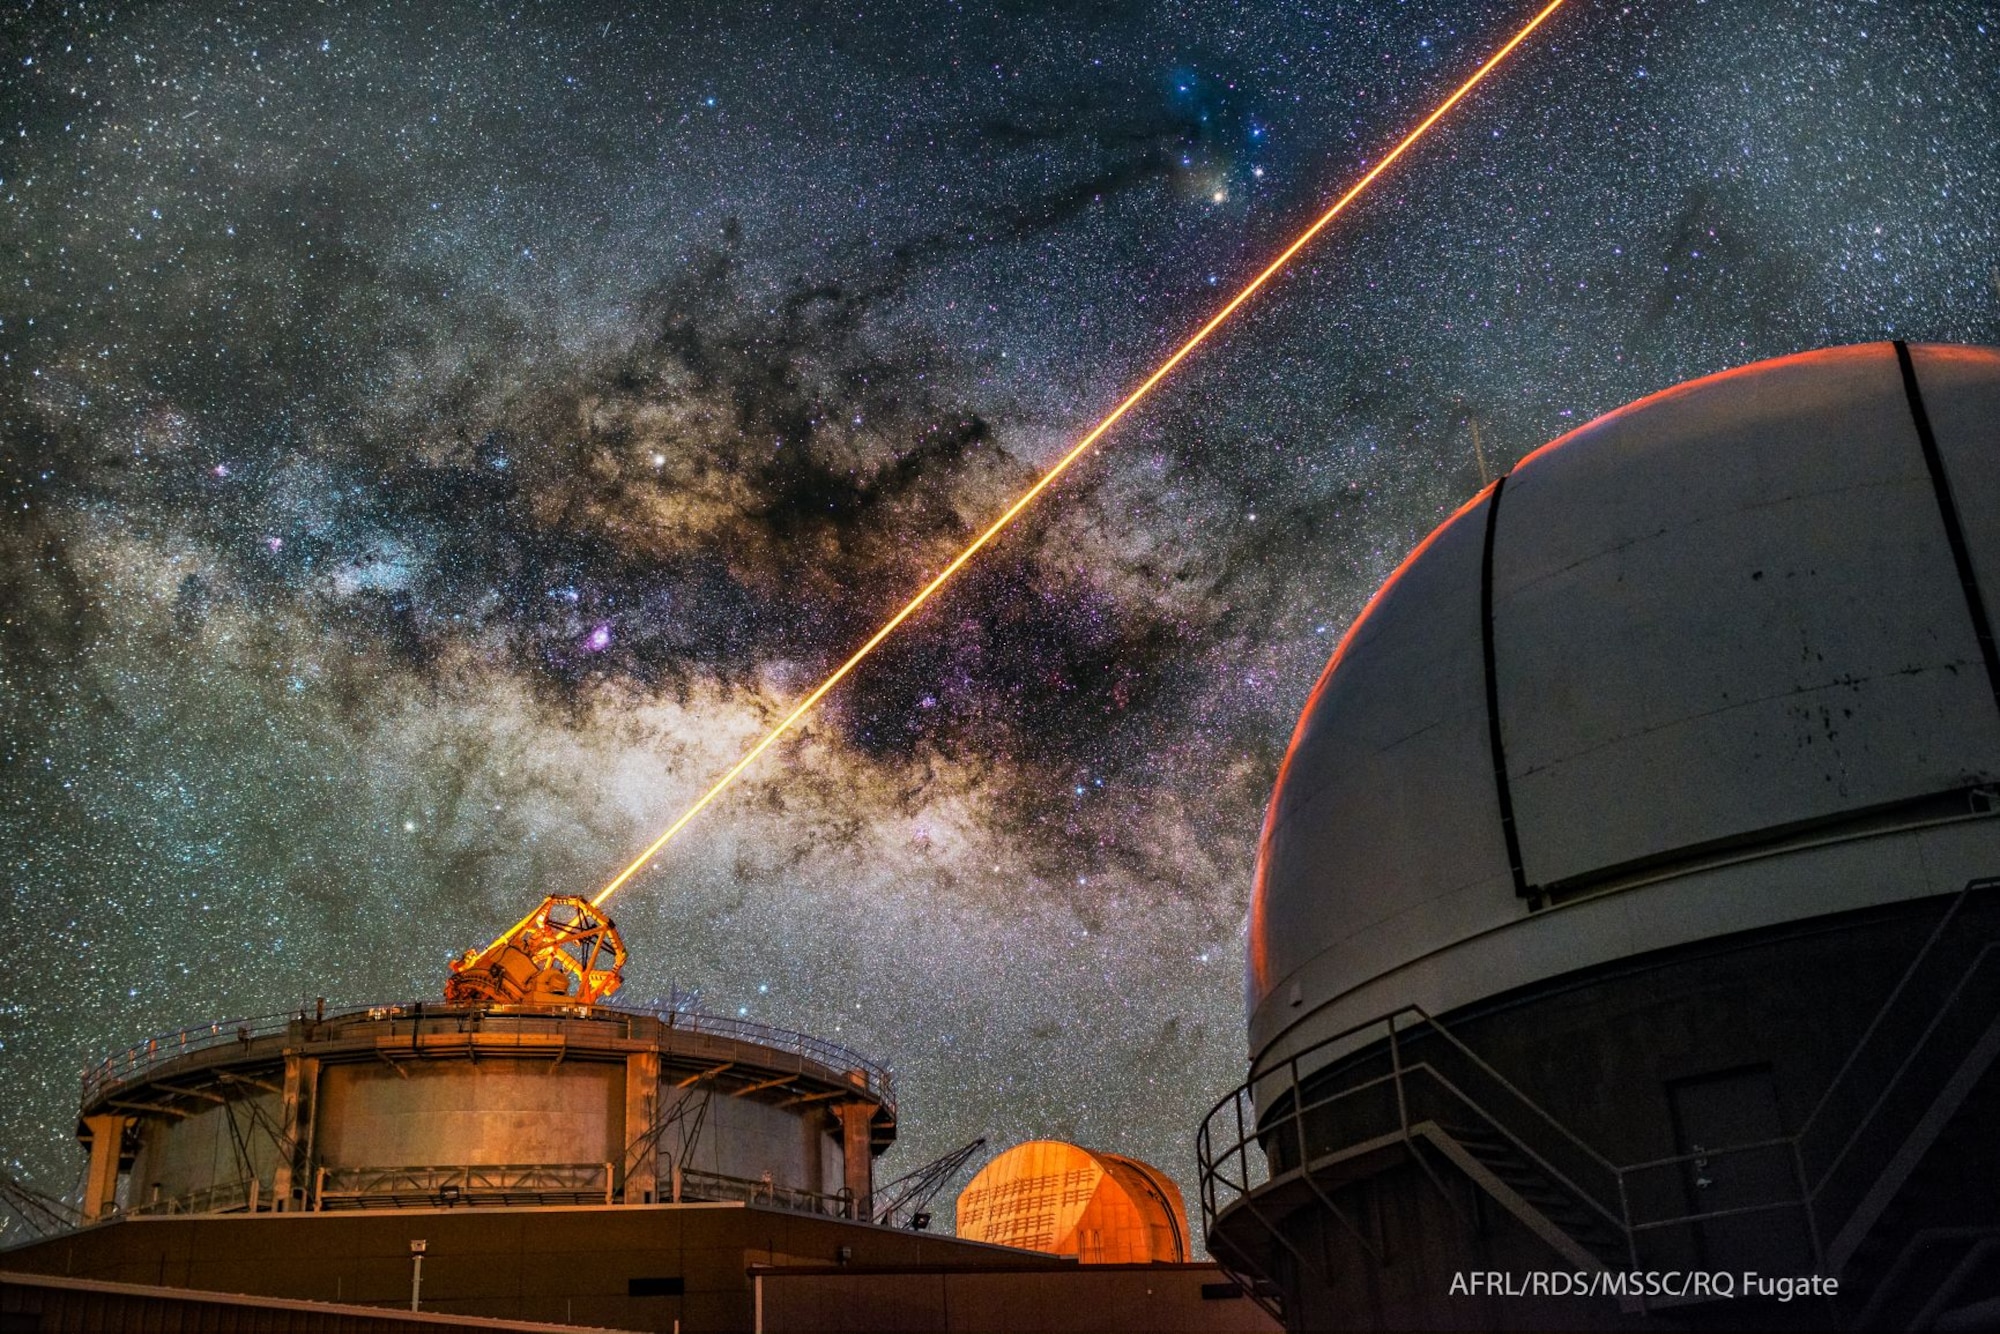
222, 1197
798, 1199
1547, 1117
142, 1057
1937, 1016
1388, 1024
1682, 1220
1549, 1169
1882, 1013
832, 1055
1654, 1164
1919, 1242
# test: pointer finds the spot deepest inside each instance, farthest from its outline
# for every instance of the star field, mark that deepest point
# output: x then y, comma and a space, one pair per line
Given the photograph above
436, 440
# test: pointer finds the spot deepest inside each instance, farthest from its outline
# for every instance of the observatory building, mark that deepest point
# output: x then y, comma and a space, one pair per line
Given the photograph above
413, 1105
527, 1151
1102, 1208
1625, 908
522, 1088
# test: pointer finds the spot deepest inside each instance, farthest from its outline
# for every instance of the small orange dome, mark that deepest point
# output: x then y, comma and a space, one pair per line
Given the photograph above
1046, 1195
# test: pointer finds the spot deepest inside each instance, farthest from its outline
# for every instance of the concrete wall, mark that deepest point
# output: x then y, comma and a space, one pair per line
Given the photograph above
48, 1305
1427, 1228
191, 1154
462, 1112
742, 1137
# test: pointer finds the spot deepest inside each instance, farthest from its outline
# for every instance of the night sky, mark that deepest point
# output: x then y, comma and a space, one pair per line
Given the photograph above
436, 439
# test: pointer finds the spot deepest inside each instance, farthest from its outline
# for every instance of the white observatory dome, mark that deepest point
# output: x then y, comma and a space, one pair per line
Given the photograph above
1719, 660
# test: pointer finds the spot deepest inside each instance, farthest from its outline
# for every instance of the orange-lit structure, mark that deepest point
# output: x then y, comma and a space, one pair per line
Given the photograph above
565, 952
1102, 1208
476, 1104
679, 1170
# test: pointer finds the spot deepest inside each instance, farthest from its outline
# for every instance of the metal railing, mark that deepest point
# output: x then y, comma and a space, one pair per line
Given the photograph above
447, 1186
1376, 1095
1904, 1283
1890, 1078
141, 1058
1405, 1076
530, 1183
697, 1185
228, 1197
136, 1060
880, 1080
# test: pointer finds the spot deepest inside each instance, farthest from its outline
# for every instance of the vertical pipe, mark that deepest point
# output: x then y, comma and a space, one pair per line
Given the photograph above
1243, 1142
1625, 1212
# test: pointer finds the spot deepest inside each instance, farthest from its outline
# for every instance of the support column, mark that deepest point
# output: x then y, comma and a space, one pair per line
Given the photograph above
857, 1120
641, 1155
107, 1145
295, 1132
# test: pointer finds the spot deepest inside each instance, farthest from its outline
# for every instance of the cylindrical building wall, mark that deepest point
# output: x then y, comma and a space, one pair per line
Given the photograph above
485, 1105
467, 1113
211, 1155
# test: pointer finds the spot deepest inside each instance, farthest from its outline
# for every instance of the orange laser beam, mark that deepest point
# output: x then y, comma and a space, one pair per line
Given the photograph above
1076, 452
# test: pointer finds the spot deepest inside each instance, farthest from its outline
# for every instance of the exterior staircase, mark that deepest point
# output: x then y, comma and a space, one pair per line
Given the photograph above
1897, 1167
1519, 1184
1934, 1248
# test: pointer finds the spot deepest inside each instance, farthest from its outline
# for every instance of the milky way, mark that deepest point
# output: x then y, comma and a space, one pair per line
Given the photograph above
437, 439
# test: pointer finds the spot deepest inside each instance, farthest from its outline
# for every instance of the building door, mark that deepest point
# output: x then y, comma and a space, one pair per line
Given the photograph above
1715, 1118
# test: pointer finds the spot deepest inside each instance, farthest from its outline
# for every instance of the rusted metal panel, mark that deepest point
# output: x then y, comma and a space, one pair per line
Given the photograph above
456, 1111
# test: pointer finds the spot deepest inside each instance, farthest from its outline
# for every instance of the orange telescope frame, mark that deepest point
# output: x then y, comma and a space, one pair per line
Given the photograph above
1076, 452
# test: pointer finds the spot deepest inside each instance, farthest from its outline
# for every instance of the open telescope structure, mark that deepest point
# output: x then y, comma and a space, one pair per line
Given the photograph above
523, 1087
564, 952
